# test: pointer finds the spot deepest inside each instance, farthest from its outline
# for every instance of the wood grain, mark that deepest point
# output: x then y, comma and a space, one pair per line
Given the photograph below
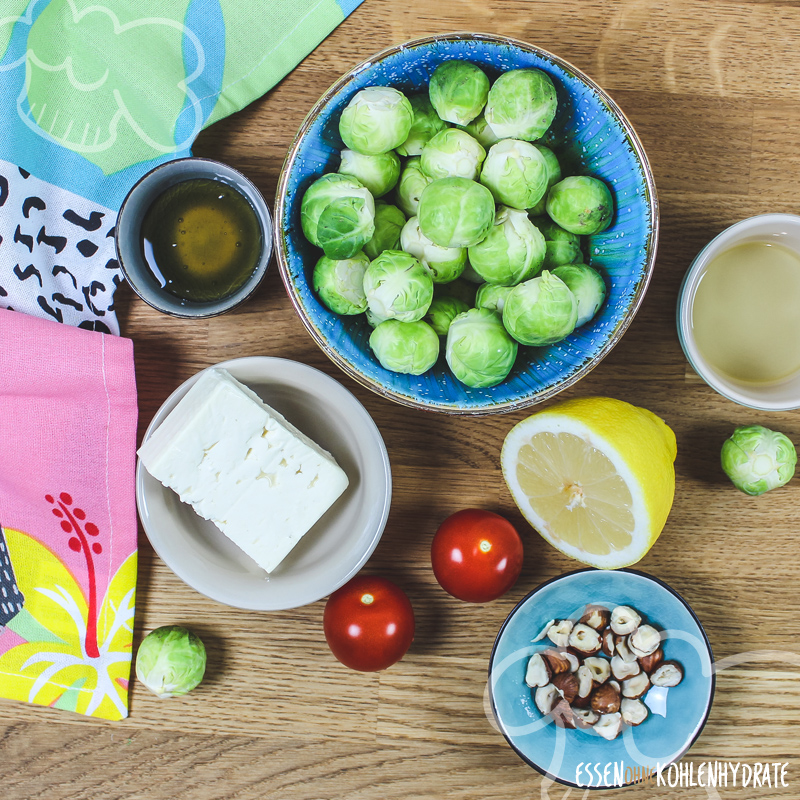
711, 88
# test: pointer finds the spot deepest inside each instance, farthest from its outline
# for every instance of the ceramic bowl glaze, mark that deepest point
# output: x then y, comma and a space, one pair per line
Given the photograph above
677, 715
590, 135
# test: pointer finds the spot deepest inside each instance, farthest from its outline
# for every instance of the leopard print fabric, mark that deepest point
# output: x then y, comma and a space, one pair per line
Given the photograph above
57, 253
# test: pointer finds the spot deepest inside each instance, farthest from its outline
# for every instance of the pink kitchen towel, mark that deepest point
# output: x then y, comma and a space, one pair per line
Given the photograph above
67, 515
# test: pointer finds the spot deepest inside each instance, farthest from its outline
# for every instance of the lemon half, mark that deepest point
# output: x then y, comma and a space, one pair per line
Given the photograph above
595, 476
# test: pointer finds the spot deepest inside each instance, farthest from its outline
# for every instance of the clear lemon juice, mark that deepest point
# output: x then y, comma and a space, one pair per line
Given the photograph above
746, 312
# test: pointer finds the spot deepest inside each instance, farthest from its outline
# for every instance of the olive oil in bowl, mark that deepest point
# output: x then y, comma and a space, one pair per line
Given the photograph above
745, 315
201, 239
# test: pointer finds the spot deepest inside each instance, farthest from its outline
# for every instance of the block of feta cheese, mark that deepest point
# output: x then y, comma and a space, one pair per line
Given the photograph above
240, 464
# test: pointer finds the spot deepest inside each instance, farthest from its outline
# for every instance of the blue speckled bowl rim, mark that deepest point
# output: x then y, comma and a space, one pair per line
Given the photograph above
557, 578
509, 405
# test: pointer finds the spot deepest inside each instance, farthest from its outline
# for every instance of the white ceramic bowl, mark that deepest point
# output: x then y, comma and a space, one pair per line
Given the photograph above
336, 547
783, 229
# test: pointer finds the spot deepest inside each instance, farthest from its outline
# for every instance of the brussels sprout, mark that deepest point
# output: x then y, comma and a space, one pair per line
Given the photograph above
588, 287
376, 120
427, 123
442, 311
412, 182
553, 177
455, 212
458, 91
562, 247
480, 129
540, 311
378, 173
373, 319
479, 350
409, 347
521, 104
757, 459
492, 296
398, 287
452, 153
516, 173
389, 221
340, 284
338, 215
171, 661
470, 276
580, 204
445, 263
512, 251
461, 289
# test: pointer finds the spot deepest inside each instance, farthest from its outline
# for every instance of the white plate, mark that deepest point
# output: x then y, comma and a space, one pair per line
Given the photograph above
336, 547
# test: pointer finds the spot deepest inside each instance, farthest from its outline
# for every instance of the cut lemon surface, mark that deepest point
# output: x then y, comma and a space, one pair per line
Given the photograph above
594, 476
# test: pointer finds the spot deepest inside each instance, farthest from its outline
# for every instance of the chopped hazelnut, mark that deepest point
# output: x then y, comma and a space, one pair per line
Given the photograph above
624, 620
538, 672
670, 673
634, 712
605, 699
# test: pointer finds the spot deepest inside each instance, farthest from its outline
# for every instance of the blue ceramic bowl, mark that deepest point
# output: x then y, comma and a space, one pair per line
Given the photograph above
677, 714
590, 135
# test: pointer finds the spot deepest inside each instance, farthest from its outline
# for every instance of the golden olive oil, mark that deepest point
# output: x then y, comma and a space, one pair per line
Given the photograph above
746, 312
201, 239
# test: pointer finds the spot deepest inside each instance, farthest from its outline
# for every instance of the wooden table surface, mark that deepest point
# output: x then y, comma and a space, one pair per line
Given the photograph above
712, 89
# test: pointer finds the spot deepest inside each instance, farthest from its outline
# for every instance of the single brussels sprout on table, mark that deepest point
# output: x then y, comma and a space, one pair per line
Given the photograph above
540, 311
588, 287
757, 459
338, 214
442, 311
408, 347
340, 284
379, 173
171, 661
492, 296
479, 350
512, 251
376, 120
561, 247
458, 91
480, 129
410, 187
516, 173
580, 204
389, 221
453, 153
456, 212
398, 287
445, 263
427, 123
521, 104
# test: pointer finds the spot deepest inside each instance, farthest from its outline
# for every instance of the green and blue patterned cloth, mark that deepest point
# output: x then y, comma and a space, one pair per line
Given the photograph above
95, 94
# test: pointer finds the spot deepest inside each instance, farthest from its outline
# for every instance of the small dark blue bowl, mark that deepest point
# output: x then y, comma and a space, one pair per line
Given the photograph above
582, 758
590, 135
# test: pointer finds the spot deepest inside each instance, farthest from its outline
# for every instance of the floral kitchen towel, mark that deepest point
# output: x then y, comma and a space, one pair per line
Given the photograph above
67, 516
93, 94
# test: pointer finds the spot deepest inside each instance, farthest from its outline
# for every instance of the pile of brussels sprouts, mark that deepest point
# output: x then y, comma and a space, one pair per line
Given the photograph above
476, 200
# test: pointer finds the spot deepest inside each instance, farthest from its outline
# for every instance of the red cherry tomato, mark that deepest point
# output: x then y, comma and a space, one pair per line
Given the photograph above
476, 555
368, 623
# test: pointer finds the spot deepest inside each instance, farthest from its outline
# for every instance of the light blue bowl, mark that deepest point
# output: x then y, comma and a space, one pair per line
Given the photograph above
659, 740
590, 135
